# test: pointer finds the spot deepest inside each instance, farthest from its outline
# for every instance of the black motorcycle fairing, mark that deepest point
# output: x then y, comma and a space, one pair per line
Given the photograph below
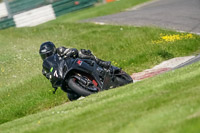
54, 66
84, 66
84, 76
60, 69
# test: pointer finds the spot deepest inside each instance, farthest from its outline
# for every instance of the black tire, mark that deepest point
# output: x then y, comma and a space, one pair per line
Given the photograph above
72, 96
124, 78
77, 88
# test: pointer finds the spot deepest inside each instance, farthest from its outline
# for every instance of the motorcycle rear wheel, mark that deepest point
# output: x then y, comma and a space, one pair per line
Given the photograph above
123, 78
78, 88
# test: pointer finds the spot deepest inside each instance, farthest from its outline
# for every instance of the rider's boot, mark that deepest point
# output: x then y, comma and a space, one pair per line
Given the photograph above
104, 64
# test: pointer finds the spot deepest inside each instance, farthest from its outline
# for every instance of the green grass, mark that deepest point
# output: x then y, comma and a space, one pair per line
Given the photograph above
167, 103
24, 90
21, 78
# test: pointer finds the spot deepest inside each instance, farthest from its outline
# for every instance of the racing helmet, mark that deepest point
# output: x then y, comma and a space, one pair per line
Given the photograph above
47, 49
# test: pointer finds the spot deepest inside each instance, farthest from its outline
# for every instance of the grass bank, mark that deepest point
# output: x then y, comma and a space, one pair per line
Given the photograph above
167, 103
23, 89
21, 79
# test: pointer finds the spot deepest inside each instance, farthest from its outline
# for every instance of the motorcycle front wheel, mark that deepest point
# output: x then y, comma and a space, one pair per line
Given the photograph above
72, 96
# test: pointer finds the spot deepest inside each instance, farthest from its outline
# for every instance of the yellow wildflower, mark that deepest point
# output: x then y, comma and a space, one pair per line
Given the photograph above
2, 70
172, 38
188, 36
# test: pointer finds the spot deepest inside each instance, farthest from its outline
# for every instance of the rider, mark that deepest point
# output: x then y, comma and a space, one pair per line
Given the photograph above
48, 48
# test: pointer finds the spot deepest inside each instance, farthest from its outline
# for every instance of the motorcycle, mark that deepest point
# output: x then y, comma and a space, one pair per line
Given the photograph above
82, 77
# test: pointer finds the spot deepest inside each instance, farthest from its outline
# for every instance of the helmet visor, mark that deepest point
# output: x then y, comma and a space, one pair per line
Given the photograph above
44, 56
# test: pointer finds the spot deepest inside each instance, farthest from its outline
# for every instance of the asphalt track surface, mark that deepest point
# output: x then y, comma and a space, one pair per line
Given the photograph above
179, 15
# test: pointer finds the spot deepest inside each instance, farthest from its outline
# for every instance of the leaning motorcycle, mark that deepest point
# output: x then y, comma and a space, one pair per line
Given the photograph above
82, 77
